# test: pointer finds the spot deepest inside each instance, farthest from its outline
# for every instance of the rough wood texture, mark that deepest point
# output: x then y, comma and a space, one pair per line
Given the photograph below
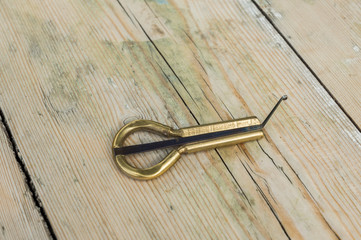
19, 219
75, 71
327, 34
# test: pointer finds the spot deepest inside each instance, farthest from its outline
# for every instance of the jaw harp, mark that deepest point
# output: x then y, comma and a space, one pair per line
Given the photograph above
186, 140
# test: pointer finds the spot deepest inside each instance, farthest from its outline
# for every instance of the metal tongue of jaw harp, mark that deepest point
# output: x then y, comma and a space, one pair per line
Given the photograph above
186, 140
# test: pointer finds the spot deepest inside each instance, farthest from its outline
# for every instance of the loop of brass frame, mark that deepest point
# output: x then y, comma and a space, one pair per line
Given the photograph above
173, 156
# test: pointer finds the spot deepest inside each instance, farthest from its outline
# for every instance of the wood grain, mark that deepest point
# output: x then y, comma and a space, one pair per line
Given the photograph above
19, 218
327, 34
75, 72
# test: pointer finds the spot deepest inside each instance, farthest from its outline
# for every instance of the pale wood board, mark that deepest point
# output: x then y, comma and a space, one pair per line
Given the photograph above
75, 72
327, 34
19, 218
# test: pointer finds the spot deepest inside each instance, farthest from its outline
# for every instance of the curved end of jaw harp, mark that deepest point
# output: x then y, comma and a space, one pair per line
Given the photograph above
184, 140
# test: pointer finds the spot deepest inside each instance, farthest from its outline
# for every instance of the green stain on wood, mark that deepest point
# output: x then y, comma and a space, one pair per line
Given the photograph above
131, 65
310, 1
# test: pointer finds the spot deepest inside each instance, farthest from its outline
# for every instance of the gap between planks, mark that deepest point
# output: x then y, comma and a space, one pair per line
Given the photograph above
27, 177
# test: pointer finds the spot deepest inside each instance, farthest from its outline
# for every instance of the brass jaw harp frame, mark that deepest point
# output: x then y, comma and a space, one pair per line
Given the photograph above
185, 140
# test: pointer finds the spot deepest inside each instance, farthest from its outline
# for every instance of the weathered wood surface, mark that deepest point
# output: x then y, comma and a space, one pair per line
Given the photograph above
73, 72
327, 34
19, 218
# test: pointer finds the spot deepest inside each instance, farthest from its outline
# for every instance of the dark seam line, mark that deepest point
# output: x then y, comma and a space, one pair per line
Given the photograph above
305, 63
28, 180
170, 67
279, 168
121, 5
233, 177
267, 202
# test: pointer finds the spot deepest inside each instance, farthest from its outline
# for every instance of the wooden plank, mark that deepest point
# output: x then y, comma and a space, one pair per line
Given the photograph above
327, 34
87, 69
19, 218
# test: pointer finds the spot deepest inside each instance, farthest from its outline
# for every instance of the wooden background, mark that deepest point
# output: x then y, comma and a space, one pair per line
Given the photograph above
73, 72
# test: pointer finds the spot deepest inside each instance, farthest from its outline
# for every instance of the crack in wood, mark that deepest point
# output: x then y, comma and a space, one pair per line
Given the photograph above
278, 167
28, 180
267, 202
